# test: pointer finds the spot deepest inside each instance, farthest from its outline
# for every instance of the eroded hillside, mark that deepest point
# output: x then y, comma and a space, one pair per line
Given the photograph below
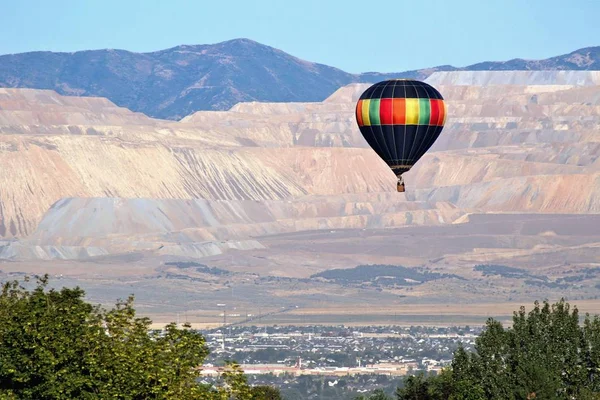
272, 193
513, 142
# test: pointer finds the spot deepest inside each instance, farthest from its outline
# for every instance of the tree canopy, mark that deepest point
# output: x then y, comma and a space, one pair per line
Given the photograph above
55, 345
546, 354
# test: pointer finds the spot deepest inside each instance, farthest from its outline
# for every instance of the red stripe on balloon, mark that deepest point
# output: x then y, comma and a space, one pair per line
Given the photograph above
435, 112
385, 112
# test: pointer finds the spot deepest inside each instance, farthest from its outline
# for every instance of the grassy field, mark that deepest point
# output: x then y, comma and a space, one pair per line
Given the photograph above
426, 315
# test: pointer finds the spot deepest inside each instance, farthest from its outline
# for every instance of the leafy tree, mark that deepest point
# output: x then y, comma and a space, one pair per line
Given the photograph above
378, 394
265, 393
54, 345
416, 387
546, 354
440, 386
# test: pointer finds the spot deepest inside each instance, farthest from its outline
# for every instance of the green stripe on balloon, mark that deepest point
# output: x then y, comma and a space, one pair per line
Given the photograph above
424, 111
374, 112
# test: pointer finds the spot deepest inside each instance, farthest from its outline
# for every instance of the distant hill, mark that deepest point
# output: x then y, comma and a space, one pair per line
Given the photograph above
583, 59
176, 82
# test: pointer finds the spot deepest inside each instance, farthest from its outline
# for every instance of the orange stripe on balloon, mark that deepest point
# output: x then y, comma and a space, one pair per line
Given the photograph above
385, 112
359, 118
442, 113
399, 111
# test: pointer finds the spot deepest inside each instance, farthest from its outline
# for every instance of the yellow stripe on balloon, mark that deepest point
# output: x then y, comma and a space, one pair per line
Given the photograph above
365, 112
412, 111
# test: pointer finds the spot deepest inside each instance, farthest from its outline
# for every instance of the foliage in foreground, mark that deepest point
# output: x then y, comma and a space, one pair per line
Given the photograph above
546, 354
54, 345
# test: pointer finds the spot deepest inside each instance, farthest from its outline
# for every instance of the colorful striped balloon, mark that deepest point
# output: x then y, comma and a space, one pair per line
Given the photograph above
401, 119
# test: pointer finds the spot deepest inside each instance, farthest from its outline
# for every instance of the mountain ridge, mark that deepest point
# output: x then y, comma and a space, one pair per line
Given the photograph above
176, 82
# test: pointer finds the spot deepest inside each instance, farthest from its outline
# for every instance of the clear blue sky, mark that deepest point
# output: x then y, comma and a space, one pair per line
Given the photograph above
356, 36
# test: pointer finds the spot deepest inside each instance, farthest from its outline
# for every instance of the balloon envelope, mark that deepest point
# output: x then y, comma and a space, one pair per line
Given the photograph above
401, 119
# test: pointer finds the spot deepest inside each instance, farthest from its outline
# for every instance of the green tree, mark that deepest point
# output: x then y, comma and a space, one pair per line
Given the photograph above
54, 345
378, 394
440, 387
265, 393
416, 387
546, 354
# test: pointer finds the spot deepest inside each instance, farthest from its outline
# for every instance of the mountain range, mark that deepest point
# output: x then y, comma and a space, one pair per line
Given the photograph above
504, 207
176, 82
275, 193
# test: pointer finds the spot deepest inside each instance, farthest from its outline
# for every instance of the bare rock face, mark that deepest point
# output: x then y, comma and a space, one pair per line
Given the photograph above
522, 78
81, 177
56, 147
112, 222
513, 147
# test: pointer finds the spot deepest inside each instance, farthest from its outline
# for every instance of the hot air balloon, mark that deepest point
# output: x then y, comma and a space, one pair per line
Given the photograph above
401, 119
